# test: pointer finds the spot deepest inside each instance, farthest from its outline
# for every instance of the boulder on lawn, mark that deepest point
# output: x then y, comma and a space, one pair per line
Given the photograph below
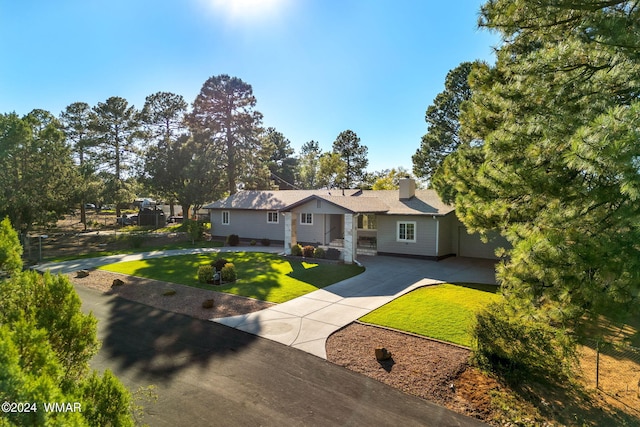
117, 282
383, 354
82, 273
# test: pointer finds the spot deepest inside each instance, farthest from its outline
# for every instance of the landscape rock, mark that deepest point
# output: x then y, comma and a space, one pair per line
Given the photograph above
382, 354
117, 282
82, 273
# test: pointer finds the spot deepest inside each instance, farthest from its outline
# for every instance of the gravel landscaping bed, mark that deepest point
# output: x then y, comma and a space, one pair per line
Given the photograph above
186, 300
419, 366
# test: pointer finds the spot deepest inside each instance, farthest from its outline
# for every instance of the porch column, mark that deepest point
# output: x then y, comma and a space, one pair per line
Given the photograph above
350, 240
290, 232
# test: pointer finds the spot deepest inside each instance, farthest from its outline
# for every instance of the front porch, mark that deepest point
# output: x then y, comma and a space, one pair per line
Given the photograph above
341, 222
364, 245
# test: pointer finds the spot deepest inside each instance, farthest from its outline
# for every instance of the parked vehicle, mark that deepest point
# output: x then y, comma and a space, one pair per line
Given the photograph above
127, 220
175, 219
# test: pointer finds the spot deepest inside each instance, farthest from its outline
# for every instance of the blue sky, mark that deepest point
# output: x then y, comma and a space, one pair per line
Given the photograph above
317, 67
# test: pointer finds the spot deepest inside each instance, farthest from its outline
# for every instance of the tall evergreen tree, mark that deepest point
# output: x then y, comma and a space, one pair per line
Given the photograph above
282, 164
38, 177
117, 129
347, 146
308, 165
167, 155
443, 123
76, 122
224, 118
557, 173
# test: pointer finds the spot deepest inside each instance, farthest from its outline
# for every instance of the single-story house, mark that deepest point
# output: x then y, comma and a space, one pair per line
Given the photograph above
406, 222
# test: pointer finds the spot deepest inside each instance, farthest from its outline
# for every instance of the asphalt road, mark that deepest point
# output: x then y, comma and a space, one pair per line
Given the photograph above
207, 374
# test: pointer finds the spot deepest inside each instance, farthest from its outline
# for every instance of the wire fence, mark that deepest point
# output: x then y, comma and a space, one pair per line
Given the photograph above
614, 369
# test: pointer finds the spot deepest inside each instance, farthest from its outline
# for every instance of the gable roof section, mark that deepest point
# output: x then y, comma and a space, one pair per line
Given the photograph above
270, 200
353, 204
425, 202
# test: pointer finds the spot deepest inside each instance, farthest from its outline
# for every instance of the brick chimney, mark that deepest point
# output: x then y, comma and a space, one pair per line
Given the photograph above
407, 188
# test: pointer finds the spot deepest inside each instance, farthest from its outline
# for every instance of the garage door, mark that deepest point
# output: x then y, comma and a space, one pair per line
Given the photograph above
470, 245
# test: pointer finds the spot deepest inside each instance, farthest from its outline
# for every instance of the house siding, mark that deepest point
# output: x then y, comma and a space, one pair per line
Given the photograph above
247, 225
470, 245
425, 244
445, 241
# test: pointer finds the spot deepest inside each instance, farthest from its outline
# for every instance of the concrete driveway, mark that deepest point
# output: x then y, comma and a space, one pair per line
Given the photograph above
306, 322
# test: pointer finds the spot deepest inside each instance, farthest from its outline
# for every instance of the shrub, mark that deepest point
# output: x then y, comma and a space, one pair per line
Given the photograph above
228, 273
520, 347
308, 251
205, 273
219, 263
208, 303
333, 254
195, 229
253, 243
233, 240
296, 250
265, 242
136, 240
319, 253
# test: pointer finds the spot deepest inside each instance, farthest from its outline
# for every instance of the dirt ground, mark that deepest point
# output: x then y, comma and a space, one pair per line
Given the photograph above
69, 238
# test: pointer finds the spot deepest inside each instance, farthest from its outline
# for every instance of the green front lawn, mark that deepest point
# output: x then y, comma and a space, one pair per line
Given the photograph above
444, 312
263, 276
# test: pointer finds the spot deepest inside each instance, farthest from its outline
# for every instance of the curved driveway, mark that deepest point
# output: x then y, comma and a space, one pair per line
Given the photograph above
306, 322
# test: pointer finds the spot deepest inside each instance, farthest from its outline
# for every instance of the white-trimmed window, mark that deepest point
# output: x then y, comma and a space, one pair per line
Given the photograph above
272, 217
225, 217
406, 231
306, 218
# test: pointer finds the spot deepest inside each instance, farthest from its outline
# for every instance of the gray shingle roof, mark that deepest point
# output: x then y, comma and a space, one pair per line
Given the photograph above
425, 202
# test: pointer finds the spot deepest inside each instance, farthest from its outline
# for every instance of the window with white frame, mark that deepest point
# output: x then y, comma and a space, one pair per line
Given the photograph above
306, 218
225, 217
272, 217
406, 231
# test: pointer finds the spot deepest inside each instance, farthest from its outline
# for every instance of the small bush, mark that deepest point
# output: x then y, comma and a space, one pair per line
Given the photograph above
265, 242
517, 347
308, 251
319, 253
228, 273
253, 243
195, 229
208, 303
333, 254
136, 240
205, 273
219, 263
296, 250
233, 240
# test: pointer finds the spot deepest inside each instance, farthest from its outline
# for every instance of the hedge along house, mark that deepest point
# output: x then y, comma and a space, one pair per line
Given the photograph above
405, 222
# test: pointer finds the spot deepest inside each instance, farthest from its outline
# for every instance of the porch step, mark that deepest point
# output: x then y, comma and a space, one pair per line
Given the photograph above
337, 243
359, 251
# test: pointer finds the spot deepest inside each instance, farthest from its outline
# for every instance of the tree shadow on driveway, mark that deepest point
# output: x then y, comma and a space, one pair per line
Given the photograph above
160, 344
